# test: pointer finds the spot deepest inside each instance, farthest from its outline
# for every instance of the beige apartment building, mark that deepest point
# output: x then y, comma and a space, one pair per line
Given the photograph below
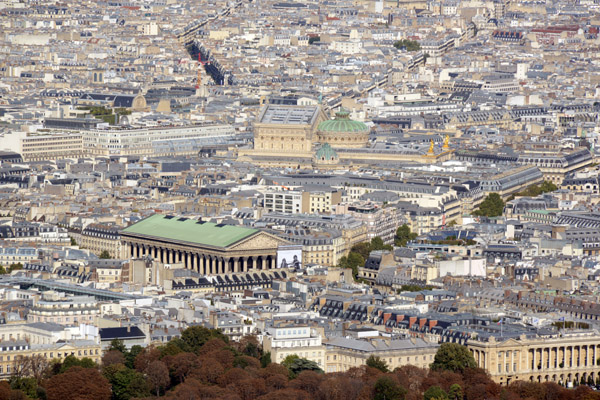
296, 201
289, 338
556, 166
345, 353
61, 310
562, 358
12, 351
321, 201
42, 146
323, 248
163, 141
99, 238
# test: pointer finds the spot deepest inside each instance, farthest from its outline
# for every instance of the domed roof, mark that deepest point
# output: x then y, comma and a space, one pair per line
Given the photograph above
342, 123
326, 153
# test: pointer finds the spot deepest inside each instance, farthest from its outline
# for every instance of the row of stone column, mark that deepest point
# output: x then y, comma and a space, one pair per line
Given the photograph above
205, 264
569, 356
544, 357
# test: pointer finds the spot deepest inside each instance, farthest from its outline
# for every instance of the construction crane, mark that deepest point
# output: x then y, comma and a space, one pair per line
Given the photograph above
282, 186
201, 65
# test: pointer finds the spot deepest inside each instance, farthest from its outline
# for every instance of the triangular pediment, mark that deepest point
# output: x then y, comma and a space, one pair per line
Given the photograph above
261, 240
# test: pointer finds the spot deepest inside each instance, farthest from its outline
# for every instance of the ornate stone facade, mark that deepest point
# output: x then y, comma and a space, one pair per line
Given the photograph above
561, 358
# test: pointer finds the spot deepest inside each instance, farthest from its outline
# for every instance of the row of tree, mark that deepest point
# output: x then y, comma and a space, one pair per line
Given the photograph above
493, 206
359, 254
11, 268
203, 364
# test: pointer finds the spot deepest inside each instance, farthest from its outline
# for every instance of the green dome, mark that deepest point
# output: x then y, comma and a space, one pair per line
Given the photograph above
326, 153
342, 123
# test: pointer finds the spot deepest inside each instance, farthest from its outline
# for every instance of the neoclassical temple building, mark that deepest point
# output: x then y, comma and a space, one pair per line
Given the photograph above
202, 246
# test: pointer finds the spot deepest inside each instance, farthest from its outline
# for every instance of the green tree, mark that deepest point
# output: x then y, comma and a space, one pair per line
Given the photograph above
355, 261
15, 267
435, 393
196, 336
131, 355
28, 386
174, 347
492, 206
453, 357
404, 235
313, 39
548, 187
73, 242
265, 359
296, 364
377, 244
3, 270
378, 363
118, 345
455, 392
386, 388
288, 360
363, 249
105, 255
127, 383
72, 361
410, 45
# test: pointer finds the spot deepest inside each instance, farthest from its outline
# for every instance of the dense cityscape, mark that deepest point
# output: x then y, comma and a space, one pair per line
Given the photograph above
269, 199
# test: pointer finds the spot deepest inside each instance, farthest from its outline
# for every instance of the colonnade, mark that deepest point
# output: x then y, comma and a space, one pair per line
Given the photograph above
203, 263
563, 364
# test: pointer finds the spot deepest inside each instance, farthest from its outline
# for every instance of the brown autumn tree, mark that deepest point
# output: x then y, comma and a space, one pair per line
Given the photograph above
211, 345
78, 383
276, 382
250, 389
146, 357
478, 385
411, 378
35, 366
442, 378
223, 357
287, 394
274, 369
188, 390
232, 377
157, 374
308, 381
112, 357
341, 387
181, 365
208, 371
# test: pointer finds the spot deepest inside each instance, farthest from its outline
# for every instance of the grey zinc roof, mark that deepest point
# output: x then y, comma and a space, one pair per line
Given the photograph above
379, 344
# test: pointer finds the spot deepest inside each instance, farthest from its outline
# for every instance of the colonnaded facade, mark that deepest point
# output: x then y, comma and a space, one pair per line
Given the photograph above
563, 358
204, 247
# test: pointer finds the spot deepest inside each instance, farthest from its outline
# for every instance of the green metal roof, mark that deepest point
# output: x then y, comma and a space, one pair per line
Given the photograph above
189, 230
326, 153
342, 123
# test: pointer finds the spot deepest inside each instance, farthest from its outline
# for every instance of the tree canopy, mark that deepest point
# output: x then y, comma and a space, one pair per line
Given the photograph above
492, 206
453, 357
404, 235
105, 255
536, 190
78, 383
296, 365
378, 363
409, 45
